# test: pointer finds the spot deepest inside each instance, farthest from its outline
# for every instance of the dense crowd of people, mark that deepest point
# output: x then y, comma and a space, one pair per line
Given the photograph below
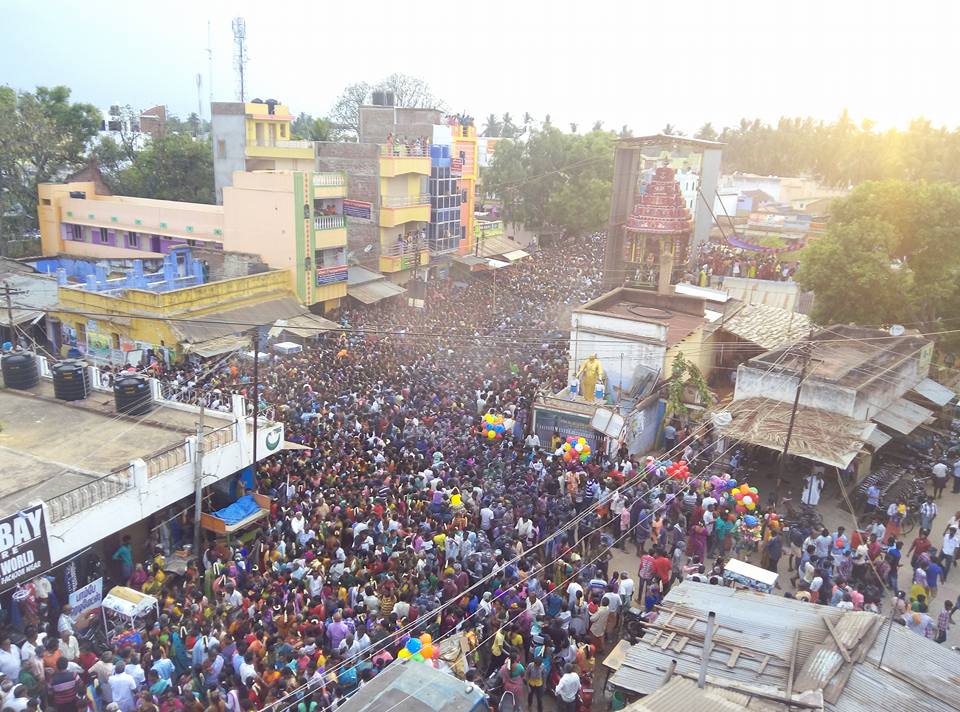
399, 522
719, 259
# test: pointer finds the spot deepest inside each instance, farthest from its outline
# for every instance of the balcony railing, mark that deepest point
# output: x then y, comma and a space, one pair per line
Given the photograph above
329, 222
399, 249
403, 150
90, 494
328, 180
294, 144
404, 201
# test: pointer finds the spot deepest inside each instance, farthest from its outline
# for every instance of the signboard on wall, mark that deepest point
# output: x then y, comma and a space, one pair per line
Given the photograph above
357, 209
24, 549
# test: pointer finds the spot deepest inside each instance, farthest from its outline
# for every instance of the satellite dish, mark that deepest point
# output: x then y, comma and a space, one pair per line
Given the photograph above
897, 330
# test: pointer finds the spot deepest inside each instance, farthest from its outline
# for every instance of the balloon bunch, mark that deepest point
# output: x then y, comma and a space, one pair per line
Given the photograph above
494, 426
420, 649
722, 482
575, 449
773, 521
678, 470
750, 529
746, 497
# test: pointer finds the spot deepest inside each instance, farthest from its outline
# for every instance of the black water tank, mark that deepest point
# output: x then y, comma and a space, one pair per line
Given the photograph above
131, 394
70, 380
20, 371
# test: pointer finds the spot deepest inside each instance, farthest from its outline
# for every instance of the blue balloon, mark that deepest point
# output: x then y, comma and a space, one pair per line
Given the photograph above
414, 645
750, 520
499, 429
731, 484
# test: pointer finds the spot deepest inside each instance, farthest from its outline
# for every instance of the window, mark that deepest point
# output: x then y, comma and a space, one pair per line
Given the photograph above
221, 148
115, 342
104, 235
283, 130
75, 232
81, 333
133, 240
46, 201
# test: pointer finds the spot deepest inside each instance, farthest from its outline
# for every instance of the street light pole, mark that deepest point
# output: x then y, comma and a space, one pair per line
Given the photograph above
805, 363
198, 485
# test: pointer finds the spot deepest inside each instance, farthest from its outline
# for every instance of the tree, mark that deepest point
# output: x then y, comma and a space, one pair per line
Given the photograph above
410, 92
43, 136
625, 132
554, 178
170, 167
573, 127
492, 126
706, 132
346, 110
684, 374
307, 128
891, 254
527, 121
668, 130
507, 128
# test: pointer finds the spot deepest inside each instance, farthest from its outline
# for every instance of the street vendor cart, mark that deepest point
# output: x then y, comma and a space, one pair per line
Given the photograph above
740, 573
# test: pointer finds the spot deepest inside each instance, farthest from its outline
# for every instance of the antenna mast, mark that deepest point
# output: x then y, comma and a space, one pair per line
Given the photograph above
199, 99
210, 68
240, 51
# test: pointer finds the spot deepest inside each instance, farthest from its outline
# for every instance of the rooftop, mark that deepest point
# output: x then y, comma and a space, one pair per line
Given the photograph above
855, 658
848, 356
767, 326
49, 447
416, 687
667, 141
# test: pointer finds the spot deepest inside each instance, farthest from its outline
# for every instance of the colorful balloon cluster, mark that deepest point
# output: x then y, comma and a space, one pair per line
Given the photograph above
576, 449
420, 649
662, 468
723, 482
493, 427
678, 470
746, 497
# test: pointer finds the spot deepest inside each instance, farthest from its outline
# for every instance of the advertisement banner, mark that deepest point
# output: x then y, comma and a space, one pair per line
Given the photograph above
24, 549
86, 598
357, 209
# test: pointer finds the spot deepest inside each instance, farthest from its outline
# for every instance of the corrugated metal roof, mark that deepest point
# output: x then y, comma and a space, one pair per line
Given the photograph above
414, 687
878, 439
303, 325
361, 275
818, 435
205, 327
683, 695
767, 326
371, 292
903, 416
934, 392
916, 674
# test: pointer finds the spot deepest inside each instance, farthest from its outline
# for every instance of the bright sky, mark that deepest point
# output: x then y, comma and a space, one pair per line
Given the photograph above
637, 62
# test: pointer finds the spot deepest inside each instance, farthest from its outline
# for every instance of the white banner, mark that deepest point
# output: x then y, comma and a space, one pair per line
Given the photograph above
83, 599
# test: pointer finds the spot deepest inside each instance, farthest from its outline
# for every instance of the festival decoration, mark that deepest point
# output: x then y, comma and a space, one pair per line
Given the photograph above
493, 426
576, 449
746, 497
678, 470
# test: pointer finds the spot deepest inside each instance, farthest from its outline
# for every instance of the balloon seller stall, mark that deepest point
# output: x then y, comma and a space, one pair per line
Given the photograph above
128, 613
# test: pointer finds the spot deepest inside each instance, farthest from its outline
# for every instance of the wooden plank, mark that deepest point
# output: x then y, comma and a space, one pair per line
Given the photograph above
681, 643
734, 656
660, 627
836, 639
793, 662
669, 639
763, 664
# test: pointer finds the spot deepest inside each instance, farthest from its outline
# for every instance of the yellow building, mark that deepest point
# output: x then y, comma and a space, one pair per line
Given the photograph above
404, 209
293, 219
118, 325
464, 150
254, 136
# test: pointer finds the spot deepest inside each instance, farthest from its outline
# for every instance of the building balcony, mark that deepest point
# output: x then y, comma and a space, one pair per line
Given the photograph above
329, 185
399, 209
398, 260
326, 233
282, 149
329, 222
399, 159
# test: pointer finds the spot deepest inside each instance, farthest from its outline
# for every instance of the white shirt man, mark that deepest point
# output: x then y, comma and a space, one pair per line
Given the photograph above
486, 518
10, 659
532, 441
568, 686
572, 591
812, 487
626, 588
122, 688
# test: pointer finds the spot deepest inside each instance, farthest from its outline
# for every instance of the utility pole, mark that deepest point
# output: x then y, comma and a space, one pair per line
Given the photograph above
198, 485
256, 394
8, 292
806, 349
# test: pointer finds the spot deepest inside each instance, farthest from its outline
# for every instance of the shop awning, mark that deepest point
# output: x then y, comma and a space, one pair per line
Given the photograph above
230, 322
515, 255
497, 264
304, 326
817, 434
878, 439
934, 392
902, 416
371, 292
220, 345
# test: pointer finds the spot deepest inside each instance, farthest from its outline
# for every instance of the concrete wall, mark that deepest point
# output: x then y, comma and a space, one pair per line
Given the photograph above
785, 295
626, 170
259, 218
759, 382
231, 129
709, 182
223, 264
621, 346
376, 122
361, 163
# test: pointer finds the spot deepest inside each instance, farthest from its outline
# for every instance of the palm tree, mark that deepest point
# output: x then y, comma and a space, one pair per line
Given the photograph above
546, 121
492, 126
508, 129
597, 125
706, 132
668, 130
573, 127
527, 121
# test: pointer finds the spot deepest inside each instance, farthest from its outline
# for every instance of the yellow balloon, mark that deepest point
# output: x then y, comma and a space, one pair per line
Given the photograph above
426, 638
403, 654
491, 435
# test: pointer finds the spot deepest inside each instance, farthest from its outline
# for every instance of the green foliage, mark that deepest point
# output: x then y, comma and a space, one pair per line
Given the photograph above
407, 91
307, 128
170, 167
684, 373
842, 153
43, 136
554, 178
890, 254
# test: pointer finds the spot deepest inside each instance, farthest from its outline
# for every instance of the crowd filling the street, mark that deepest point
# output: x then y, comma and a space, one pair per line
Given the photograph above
422, 508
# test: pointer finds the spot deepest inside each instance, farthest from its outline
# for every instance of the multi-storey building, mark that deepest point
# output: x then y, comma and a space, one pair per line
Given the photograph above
292, 219
254, 136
